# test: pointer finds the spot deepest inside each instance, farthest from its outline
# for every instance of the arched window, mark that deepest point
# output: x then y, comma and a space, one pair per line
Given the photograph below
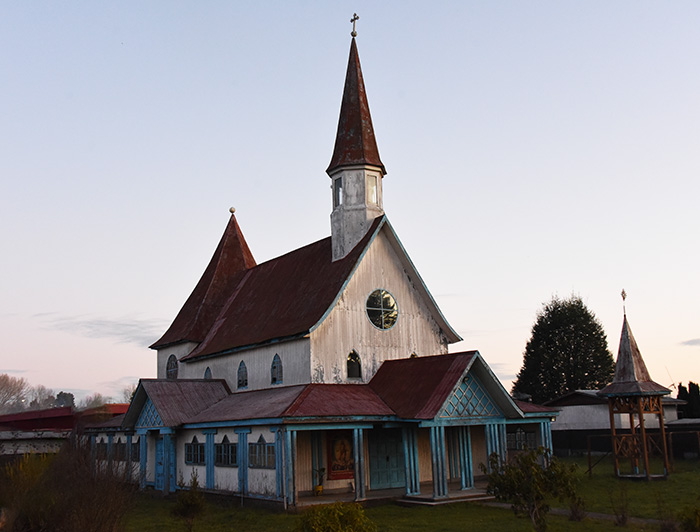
354, 365
207, 373
276, 370
171, 368
242, 375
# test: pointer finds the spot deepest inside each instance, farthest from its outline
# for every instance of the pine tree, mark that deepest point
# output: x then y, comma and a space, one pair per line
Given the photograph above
568, 351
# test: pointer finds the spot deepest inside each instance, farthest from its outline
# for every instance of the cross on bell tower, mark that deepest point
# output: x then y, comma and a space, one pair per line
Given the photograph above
356, 171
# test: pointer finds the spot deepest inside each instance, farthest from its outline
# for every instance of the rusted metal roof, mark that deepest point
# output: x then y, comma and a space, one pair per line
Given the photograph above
533, 408
355, 143
631, 374
256, 404
416, 388
338, 400
231, 258
281, 298
179, 400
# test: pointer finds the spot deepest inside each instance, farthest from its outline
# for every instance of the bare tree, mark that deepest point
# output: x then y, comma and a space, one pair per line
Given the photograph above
41, 397
128, 393
13, 393
93, 401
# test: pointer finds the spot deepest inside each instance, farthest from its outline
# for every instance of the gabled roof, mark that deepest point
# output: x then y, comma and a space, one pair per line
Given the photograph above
416, 388
231, 258
578, 398
289, 296
282, 298
355, 143
631, 374
176, 400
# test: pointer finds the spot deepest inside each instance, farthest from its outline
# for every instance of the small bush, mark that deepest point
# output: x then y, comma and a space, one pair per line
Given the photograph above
337, 517
620, 505
528, 480
63, 493
190, 502
690, 519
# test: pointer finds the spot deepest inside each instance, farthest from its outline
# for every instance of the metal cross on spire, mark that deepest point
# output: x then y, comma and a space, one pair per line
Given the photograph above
624, 296
354, 19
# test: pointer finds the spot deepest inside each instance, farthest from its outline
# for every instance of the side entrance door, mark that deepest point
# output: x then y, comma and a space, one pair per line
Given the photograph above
160, 461
386, 459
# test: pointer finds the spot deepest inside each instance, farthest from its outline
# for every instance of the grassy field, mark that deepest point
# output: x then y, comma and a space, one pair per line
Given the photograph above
653, 500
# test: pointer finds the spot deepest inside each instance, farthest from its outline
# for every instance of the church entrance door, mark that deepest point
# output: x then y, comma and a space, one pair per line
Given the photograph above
386, 462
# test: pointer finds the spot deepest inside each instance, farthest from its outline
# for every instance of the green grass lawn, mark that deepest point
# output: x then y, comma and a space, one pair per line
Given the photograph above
652, 500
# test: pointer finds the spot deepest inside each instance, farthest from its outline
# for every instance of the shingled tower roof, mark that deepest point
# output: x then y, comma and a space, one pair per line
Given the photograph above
355, 143
631, 374
194, 320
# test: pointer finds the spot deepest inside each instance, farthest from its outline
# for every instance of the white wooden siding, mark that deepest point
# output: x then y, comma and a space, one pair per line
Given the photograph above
347, 326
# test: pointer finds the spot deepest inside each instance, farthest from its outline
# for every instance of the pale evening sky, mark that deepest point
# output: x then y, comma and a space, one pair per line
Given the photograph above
532, 149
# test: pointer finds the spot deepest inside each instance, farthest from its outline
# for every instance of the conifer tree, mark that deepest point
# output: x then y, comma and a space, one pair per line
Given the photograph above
568, 351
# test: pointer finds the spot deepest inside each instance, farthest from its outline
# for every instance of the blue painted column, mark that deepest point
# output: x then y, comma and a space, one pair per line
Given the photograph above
466, 475
242, 460
410, 452
209, 455
167, 459
128, 458
290, 452
502, 442
358, 449
143, 458
279, 461
110, 450
316, 456
437, 451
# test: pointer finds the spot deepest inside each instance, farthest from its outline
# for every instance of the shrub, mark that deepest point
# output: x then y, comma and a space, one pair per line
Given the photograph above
63, 493
528, 480
190, 502
337, 517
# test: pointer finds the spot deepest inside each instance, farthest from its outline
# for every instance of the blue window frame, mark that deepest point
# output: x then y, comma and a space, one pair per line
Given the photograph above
261, 455
194, 452
226, 453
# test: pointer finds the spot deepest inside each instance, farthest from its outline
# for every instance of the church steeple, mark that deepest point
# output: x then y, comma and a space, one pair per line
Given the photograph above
356, 171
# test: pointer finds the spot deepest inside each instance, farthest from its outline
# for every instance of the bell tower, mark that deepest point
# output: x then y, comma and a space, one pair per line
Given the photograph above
356, 171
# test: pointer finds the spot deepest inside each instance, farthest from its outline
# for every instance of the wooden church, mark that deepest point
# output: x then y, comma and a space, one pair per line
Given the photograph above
326, 368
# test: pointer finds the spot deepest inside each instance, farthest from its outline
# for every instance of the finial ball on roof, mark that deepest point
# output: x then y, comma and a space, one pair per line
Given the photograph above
232, 210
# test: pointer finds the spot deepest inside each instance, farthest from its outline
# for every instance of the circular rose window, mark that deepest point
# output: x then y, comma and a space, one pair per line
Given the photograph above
382, 309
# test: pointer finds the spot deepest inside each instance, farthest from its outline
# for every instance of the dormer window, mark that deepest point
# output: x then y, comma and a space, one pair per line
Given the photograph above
337, 192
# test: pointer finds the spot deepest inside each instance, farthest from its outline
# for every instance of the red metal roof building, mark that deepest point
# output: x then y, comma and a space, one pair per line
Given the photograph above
332, 357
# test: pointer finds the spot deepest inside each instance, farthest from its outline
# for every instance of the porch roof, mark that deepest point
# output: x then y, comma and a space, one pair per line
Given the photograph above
416, 388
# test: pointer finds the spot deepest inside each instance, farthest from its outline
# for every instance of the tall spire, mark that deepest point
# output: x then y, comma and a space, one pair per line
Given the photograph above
356, 171
354, 142
231, 257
